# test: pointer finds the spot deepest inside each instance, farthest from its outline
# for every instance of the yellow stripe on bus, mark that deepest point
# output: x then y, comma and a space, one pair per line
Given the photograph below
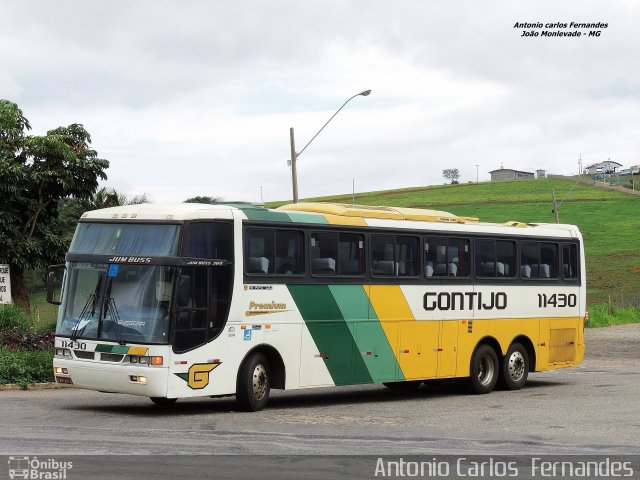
342, 220
415, 344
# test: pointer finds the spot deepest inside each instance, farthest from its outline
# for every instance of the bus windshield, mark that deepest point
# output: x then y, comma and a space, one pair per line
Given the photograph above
123, 303
125, 239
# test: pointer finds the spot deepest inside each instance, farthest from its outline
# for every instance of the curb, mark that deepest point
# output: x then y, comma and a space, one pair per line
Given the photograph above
33, 386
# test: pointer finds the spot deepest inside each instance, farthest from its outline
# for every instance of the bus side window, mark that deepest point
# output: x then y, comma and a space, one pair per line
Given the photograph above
208, 240
324, 253
569, 261
395, 255
350, 254
259, 249
495, 258
382, 255
548, 260
289, 252
446, 257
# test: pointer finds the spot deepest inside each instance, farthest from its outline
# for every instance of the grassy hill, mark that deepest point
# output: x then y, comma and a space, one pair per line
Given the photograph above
609, 219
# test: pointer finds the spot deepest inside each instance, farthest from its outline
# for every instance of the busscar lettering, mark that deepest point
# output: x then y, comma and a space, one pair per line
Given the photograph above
465, 301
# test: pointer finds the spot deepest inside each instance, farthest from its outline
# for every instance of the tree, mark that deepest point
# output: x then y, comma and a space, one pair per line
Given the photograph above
37, 172
204, 199
451, 174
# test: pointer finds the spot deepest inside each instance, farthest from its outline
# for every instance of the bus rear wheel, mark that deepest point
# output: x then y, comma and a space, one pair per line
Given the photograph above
254, 383
163, 401
515, 367
484, 370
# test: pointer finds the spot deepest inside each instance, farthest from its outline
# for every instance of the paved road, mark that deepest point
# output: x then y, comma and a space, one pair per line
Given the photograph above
593, 408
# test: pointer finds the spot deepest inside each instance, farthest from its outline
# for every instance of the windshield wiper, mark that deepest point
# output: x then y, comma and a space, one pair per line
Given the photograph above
112, 310
75, 332
91, 302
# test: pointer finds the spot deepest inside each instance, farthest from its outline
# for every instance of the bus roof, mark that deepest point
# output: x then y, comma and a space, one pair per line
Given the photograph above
328, 213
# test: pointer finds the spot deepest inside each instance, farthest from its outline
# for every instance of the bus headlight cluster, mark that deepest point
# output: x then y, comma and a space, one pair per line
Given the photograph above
144, 360
139, 359
63, 352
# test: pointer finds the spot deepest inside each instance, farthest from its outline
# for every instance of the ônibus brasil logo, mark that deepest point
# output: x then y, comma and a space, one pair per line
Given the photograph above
33, 468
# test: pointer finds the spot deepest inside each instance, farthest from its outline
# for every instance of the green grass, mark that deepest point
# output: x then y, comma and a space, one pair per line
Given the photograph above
606, 315
608, 219
43, 313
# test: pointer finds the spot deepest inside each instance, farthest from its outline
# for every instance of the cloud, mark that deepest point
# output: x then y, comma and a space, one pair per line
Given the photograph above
196, 97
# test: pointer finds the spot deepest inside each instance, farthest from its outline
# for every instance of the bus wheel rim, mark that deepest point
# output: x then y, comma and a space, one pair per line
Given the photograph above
486, 370
516, 366
259, 382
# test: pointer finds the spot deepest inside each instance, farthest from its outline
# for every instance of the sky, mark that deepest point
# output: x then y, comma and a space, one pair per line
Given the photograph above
197, 97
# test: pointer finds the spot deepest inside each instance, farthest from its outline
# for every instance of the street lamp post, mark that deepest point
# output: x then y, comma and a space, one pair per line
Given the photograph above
295, 155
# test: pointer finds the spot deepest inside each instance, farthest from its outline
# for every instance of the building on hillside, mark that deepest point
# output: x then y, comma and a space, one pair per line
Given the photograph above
509, 174
541, 174
602, 168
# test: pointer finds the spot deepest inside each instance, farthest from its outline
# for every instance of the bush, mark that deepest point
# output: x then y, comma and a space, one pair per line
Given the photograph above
25, 367
12, 318
14, 339
607, 314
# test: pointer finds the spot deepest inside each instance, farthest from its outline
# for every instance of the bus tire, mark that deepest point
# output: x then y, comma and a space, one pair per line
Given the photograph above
515, 367
406, 386
484, 370
254, 383
163, 401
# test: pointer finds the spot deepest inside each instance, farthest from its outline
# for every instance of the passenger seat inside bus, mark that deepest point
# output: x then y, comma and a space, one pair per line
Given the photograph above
258, 265
323, 265
385, 267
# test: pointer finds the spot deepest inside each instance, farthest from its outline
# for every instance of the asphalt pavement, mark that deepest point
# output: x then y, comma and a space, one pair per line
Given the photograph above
593, 408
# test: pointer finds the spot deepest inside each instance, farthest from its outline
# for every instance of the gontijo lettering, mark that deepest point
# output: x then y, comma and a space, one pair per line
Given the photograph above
465, 301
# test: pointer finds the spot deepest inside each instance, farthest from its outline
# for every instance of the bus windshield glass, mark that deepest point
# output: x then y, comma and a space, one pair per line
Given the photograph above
125, 239
119, 303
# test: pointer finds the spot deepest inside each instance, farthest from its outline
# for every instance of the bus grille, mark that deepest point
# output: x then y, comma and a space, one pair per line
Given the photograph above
111, 357
562, 345
84, 355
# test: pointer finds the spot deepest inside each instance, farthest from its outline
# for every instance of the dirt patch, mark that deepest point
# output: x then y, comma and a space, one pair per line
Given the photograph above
618, 345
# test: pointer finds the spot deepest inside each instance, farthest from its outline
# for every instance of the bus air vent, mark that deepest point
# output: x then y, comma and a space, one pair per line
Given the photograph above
111, 357
84, 355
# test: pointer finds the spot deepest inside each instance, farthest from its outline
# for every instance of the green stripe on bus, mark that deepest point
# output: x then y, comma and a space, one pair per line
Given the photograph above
265, 215
259, 213
306, 218
123, 349
330, 333
372, 343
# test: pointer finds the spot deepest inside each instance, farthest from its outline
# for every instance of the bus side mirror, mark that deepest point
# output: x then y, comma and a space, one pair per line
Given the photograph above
55, 274
184, 290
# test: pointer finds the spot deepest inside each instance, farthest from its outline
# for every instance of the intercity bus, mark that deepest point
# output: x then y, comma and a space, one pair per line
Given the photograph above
193, 300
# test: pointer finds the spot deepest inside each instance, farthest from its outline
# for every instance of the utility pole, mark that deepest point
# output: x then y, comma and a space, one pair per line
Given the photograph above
353, 191
294, 172
295, 155
555, 206
477, 172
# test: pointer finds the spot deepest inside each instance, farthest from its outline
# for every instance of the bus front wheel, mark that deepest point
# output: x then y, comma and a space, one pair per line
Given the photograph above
515, 367
484, 370
254, 383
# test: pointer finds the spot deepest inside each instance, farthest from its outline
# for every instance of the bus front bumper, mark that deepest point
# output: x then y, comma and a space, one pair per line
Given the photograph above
136, 380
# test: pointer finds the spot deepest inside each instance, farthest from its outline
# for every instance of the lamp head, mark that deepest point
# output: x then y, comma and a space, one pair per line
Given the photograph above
364, 93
